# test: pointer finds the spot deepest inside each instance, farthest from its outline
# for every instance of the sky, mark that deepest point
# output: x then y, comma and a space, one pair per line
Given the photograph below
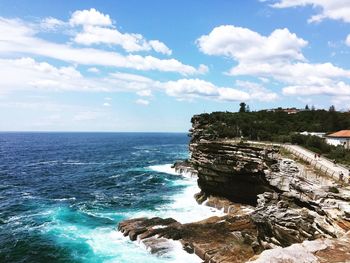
112, 65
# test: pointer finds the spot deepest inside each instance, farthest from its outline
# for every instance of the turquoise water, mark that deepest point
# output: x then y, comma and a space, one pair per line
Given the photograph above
63, 194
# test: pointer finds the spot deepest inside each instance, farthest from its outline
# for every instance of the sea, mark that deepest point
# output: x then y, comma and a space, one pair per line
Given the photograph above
63, 194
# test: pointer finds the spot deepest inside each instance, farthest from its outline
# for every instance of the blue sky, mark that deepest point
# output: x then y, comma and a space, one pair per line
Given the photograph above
150, 65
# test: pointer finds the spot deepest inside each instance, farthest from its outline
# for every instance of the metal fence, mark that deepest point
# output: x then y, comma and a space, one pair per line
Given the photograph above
315, 163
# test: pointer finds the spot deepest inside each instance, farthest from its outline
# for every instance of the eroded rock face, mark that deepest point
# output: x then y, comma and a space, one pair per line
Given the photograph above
234, 171
185, 168
272, 204
316, 251
217, 239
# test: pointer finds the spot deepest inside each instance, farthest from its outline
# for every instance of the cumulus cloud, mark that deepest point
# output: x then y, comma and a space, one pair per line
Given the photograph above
18, 38
333, 89
197, 88
257, 91
90, 17
277, 56
98, 28
97, 35
160, 47
331, 9
246, 45
44, 76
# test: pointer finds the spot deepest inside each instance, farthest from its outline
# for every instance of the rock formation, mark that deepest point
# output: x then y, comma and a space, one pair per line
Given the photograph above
282, 209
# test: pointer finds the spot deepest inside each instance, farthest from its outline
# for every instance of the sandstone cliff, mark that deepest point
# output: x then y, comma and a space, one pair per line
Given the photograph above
272, 205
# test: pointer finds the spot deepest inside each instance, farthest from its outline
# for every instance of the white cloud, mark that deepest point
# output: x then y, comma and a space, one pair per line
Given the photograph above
131, 77
98, 35
106, 104
203, 69
90, 17
196, 88
98, 29
160, 47
293, 72
347, 41
144, 93
41, 75
142, 102
111, 36
93, 70
18, 38
246, 45
51, 23
336, 89
277, 56
331, 9
257, 91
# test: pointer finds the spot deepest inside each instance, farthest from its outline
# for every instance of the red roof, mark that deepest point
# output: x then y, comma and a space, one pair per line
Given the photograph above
340, 134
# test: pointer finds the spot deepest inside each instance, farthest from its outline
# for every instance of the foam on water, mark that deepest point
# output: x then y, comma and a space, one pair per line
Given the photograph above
183, 207
108, 245
62, 200
164, 168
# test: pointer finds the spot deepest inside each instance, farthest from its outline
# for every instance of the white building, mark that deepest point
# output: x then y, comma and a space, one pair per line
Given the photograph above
318, 134
339, 138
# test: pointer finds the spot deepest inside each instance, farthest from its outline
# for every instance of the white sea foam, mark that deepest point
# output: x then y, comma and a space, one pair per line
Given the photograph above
183, 207
64, 199
111, 246
164, 168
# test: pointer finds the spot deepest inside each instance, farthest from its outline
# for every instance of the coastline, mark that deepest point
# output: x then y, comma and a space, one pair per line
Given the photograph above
289, 209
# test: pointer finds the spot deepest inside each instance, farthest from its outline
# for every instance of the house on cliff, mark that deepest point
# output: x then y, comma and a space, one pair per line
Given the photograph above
339, 138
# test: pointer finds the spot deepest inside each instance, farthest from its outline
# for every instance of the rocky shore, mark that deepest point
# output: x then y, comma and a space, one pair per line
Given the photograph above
275, 211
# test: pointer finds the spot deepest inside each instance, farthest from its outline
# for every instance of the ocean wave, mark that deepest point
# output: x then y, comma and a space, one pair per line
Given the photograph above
164, 168
64, 199
82, 163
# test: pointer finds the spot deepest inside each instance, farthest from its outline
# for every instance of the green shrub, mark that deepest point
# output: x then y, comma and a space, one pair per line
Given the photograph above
333, 189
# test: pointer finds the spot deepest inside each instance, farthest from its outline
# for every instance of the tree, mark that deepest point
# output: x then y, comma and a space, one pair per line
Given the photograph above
331, 108
242, 107
307, 107
247, 108
313, 108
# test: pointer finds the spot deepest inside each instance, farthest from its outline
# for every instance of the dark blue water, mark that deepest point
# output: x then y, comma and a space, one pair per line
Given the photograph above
62, 194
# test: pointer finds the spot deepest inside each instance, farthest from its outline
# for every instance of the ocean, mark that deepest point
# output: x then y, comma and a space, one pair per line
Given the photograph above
63, 194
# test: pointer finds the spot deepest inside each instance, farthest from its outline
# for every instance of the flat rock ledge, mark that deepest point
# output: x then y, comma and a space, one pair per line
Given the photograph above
216, 239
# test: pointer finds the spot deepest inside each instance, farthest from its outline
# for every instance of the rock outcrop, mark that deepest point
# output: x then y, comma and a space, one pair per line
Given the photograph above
284, 208
234, 171
216, 239
320, 250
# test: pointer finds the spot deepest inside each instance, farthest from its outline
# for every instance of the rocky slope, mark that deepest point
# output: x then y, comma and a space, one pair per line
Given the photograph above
281, 208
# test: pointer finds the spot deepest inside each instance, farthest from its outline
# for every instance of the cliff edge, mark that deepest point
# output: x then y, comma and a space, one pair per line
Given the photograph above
274, 208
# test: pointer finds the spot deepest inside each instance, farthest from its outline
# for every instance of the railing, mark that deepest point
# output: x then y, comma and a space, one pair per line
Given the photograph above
314, 163
326, 170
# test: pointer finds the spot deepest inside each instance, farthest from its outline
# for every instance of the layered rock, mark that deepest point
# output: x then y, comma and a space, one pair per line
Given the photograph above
320, 250
217, 239
185, 168
285, 208
234, 171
